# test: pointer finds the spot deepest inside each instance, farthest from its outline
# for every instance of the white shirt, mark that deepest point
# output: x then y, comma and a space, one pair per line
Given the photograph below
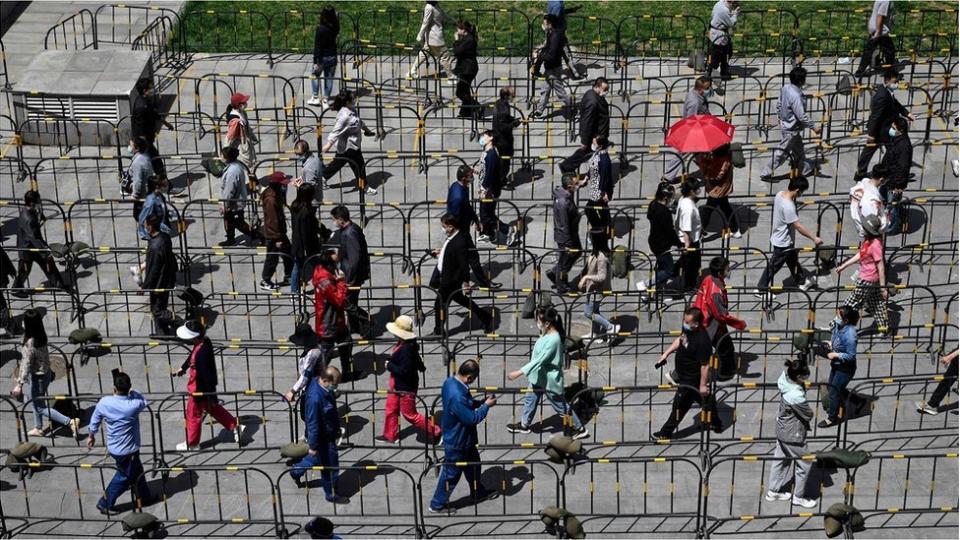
687, 219
313, 362
443, 250
865, 200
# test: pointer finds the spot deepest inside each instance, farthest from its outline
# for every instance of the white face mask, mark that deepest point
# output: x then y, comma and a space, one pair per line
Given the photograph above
544, 27
892, 132
483, 141
893, 86
594, 147
602, 93
131, 150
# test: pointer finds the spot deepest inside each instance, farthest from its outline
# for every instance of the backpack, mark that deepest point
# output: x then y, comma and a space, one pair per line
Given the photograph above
619, 262
126, 184
842, 458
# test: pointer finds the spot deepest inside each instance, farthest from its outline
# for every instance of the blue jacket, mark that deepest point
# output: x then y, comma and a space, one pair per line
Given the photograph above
320, 412
153, 205
461, 414
458, 204
843, 341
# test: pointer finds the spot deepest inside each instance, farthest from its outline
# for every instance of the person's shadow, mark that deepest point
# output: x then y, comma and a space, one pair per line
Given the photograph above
351, 481
497, 476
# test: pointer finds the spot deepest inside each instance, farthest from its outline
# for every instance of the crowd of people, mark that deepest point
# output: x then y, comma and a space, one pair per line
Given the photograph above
333, 269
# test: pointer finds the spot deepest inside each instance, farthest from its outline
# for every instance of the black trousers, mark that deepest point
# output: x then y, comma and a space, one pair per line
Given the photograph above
565, 261
719, 56
574, 160
137, 208
863, 162
689, 265
684, 398
490, 224
274, 253
155, 161
351, 157
233, 221
888, 53
357, 317
726, 354
159, 300
47, 264
598, 215
781, 256
345, 350
723, 204
940, 392
468, 105
454, 295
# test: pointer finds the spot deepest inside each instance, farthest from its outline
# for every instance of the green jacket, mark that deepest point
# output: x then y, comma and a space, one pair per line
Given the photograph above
545, 368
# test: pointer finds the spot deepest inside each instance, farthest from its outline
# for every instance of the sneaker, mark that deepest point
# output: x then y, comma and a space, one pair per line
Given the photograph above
441, 510
382, 439
337, 499
298, 480
512, 236
371, 191
923, 408
642, 286
268, 285
737, 234
227, 242
536, 113
551, 276
182, 447
75, 427
766, 178
828, 423
806, 503
956, 167
581, 433
614, 330
485, 239
238, 432
518, 428
659, 436
778, 496
764, 295
343, 434
36, 432
103, 509
315, 101
810, 283
671, 378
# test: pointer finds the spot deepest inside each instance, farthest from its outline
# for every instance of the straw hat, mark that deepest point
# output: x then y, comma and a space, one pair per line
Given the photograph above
402, 328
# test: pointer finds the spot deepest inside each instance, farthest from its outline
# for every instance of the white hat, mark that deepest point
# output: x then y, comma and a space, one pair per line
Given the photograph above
186, 333
402, 328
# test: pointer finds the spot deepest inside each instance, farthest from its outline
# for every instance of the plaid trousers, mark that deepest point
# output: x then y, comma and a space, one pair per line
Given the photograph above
869, 292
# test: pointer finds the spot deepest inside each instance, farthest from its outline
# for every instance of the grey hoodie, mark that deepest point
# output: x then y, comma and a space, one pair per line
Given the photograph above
793, 421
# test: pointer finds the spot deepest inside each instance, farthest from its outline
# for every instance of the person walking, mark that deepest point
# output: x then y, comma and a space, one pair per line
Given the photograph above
599, 187
898, 160
689, 230
347, 138
594, 123
32, 247
430, 40
324, 57
240, 134
451, 278
330, 303
793, 422
322, 431
309, 365
202, 368
233, 198
871, 288
884, 109
550, 59
353, 258
35, 367
121, 414
692, 361
465, 51
139, 172
154, 205
503, 125
311, 172
866, 200
711, 299
662, 240
405, 366
273, 198
793, 117
566, 234
786, 223
879, 26
843, 361
460, 206
304, 235
160, 274
544, 372
595, 281
487, 170
461, 414
695, 103
723, 19
145, 121
716, 167
932, 405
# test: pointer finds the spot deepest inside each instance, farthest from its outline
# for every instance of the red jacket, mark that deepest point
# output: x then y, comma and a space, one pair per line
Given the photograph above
712, 300
330, 298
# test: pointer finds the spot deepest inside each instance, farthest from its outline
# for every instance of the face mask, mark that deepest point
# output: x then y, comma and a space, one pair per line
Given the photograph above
893, 86
333, 388
710, 93
687, 328
131, 150
302, 157
603, 93
483, 141
892, 132
594, 147
544, 27
837, 321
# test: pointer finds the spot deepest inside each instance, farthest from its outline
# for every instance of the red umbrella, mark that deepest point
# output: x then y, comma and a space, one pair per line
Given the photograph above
699, 133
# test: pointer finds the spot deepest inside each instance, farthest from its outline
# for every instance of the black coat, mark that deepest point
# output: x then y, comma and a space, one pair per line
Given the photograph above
899, 159
144, 118
662, 234
554, 51
405, 366
354, 255
465, 50
29, 234
206, 366
325, 41
503, 125
456, 267
884, 108
161, 271
594, 117
305, 240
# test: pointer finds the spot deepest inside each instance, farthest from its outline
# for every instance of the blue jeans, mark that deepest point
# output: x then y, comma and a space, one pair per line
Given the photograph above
295, 276
450, 475
129, 470
664, 269
591, 310
38, 387
327, 457
893, 201
328, 68
532, 401
838, 381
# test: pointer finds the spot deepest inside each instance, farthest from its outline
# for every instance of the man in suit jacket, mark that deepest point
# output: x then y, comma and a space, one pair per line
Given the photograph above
452, 274
884, 108
594, 122
461, 414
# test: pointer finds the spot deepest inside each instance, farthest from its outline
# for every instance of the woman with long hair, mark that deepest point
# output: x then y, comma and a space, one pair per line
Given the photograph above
35, 366
465, 51
544, 371
324, 56
304, 237
595, 280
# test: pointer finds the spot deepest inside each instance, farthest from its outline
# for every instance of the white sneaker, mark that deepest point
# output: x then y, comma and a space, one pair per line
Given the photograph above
315, 101
583, 433
512, 235
673, 382
737, 234
810, 283
806, 503
238, 433
776, 496
923, 408
182, 447
956, 167
371, 191
614, 330
642, 286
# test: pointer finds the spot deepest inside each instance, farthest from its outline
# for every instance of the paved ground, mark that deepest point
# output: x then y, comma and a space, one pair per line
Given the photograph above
645, 489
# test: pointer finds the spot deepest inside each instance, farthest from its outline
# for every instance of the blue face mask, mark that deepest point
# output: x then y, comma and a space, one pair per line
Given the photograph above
687, 328
482, 141
837, 321
892, 132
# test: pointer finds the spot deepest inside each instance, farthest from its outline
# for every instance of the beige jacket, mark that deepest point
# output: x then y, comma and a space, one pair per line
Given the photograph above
596, 273
33, 360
